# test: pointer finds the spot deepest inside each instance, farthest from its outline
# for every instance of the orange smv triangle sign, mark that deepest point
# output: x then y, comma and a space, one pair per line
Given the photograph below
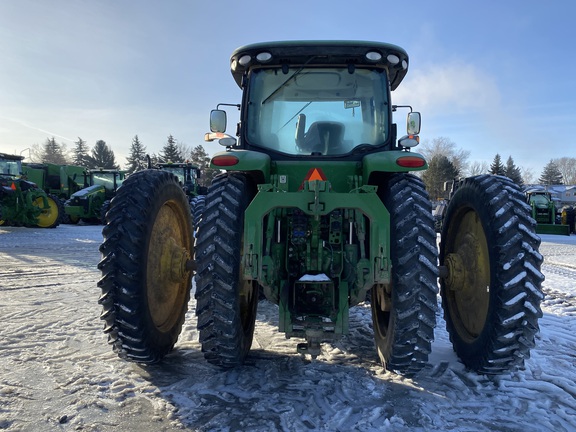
315, 174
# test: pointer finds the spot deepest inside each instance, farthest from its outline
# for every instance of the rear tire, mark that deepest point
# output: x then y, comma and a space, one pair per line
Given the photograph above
197, 207
568, 218
491, 297
49, 217
226, 303
404, 314
145, 280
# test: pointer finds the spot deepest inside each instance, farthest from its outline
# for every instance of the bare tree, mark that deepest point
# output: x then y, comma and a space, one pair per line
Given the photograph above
567, 167
477, 168
528, 176
443, 146
184, 149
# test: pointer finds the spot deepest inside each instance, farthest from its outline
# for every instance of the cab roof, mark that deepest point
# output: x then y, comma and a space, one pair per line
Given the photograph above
11, 157
319, 53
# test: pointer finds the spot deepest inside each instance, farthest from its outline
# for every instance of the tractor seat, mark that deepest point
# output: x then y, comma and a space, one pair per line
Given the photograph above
323, 138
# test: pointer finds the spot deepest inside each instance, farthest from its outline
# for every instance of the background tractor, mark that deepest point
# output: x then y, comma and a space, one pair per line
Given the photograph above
22, 202
57, 180
91, 203
317, 210
188, 175
544, 211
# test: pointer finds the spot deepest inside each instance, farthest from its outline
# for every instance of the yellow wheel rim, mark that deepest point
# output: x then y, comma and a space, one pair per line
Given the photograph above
167, 277
468, 283
48, 216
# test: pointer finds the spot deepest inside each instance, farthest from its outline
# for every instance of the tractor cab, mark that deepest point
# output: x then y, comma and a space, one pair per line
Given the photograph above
298, 103
111, 180
188, 175
10, 165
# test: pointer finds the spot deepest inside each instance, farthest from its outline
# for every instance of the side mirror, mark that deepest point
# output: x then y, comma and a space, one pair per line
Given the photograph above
413, 123
217, 121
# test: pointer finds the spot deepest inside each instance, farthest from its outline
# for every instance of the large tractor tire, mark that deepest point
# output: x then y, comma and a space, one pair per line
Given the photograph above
197, 206
404, 313
49, 217
226, 304
491, 291
146, 266
103, 210
568, 218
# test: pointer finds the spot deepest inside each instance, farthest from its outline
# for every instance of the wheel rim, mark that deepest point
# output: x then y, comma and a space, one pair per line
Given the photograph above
167, 277
48, 216
468, 283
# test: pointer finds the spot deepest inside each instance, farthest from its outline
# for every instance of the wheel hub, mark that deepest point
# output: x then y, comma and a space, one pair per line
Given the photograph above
463, 265
174, 261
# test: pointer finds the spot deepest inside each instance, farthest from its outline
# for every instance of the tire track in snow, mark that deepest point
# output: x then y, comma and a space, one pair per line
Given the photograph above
59, 367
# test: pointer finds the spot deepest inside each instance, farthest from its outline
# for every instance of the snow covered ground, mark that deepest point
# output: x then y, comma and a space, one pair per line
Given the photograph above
58, 373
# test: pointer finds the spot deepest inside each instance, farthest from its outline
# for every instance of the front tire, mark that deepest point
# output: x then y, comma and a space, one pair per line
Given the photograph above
404, 313
492, 293
146, 256
226, 303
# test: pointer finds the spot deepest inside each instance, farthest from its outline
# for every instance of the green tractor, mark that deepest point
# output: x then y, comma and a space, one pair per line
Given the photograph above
22, 202
545, 213
318, 211
91, 203
60, 181
188, 175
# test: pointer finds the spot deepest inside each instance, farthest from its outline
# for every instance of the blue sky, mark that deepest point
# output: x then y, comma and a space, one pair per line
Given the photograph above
491, 76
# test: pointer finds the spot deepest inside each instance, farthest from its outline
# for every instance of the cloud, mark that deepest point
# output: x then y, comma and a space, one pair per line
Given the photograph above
451, 87
34, 128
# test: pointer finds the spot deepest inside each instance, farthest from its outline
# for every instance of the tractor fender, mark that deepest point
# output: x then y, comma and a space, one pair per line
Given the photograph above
242, 160
393, 161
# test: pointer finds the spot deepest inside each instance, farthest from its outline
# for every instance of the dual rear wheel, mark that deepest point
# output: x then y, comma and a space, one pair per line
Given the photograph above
490, 284
146, 266
491, 291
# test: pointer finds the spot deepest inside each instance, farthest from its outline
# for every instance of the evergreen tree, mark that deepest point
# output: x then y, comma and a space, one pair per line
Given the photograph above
102, 157
154, 159
200, 158
440, 170
52, 152
497, 168
551, 175
137, 159
170, 151
513, 172
80, 157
